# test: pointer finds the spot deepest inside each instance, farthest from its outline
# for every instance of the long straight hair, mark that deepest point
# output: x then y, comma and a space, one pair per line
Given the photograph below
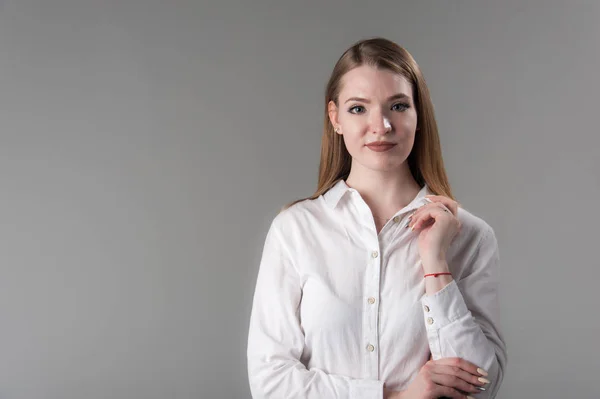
425, 160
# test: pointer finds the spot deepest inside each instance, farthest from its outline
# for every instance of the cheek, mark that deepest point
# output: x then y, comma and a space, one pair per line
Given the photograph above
352, 123
351, 140
407, 123
354, 130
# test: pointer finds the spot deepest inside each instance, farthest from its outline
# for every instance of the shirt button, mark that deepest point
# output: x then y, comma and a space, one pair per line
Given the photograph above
429, 320
396, 219
374, 254
426, 308
370, 348
371, 300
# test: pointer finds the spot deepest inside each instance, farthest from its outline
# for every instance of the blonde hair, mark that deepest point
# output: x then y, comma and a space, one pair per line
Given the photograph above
425, 160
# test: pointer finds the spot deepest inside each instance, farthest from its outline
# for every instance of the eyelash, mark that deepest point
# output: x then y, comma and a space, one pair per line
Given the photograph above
406, 106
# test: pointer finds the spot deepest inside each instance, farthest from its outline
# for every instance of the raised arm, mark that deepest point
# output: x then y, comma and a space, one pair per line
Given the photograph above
462, 319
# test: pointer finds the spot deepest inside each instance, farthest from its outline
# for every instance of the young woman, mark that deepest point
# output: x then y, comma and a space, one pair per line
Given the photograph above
379, 285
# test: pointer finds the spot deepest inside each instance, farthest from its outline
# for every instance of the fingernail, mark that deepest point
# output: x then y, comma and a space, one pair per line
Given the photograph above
482, 372
480, 388
470, 397
485, 380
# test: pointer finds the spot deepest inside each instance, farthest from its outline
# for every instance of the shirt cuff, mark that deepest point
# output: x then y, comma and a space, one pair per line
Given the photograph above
443, 307
366, 389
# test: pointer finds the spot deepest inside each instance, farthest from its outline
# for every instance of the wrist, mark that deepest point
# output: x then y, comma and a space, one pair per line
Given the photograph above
387, 394
436, 284
435, 265
398, 395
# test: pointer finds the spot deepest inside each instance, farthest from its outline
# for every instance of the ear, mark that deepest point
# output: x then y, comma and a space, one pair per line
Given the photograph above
332, 111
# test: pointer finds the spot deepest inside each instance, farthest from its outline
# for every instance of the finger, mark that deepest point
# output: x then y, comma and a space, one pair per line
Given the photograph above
412, 216
459, 373
443, 207
422, 217
425, 218
463, 364
442, 391
441, 204
450, 203
421, 211
415, 215
416, 211
452, 381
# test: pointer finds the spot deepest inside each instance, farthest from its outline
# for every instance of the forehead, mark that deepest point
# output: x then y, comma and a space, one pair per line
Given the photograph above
369, 81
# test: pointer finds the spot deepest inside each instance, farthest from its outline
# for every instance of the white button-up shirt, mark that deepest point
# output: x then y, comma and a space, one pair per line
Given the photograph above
340, 309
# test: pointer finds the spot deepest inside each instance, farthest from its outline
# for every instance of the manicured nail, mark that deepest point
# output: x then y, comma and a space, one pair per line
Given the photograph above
480, 388
470, 397
484, 380
482, 372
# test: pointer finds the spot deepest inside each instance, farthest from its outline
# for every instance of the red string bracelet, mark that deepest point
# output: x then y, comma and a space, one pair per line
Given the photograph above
436, 274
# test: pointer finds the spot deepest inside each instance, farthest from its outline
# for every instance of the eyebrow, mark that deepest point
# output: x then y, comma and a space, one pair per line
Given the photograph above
394, 97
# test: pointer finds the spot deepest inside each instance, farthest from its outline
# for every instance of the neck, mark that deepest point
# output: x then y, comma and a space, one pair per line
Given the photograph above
384, 192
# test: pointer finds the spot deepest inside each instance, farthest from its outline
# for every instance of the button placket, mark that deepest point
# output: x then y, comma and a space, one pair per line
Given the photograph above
371, 314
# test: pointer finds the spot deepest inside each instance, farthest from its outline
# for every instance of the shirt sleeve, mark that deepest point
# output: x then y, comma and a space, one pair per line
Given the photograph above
462, 319
276, 338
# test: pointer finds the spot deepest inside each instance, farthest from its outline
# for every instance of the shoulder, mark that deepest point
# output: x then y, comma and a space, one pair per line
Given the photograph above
474, 229
472, 222
475, 247
300, 217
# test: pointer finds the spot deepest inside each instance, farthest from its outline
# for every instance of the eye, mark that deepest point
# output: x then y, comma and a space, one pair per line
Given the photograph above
360, 109
402, 107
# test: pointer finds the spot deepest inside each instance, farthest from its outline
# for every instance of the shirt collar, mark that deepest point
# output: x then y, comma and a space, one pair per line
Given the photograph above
335, 194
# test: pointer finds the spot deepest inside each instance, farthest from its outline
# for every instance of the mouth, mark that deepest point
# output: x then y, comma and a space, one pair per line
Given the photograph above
381, 146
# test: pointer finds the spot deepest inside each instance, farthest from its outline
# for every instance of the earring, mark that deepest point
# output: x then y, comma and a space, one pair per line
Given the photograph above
337, 129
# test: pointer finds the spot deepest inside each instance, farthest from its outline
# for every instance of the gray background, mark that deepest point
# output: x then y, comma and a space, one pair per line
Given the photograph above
146, 146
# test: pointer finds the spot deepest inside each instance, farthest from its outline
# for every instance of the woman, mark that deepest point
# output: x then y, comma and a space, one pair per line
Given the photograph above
379, 285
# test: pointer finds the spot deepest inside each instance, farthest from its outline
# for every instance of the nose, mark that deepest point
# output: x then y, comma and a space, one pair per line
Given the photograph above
380, 123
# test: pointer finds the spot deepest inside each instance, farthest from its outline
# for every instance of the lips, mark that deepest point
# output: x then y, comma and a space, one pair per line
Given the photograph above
381, 146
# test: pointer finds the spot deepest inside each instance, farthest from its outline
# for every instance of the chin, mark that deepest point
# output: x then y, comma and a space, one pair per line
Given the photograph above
383, 167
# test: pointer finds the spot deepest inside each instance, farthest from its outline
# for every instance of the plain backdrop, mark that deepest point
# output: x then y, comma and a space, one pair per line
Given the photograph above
146, 145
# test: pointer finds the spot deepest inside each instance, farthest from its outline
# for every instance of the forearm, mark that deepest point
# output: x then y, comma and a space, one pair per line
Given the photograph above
462, 316
452, 331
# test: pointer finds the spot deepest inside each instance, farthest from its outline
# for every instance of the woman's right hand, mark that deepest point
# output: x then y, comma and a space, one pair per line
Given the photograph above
448, 377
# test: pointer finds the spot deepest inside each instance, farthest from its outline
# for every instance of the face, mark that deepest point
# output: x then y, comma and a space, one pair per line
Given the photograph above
375, 105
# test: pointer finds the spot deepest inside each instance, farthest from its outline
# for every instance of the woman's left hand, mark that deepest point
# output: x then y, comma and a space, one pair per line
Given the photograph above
437, 225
